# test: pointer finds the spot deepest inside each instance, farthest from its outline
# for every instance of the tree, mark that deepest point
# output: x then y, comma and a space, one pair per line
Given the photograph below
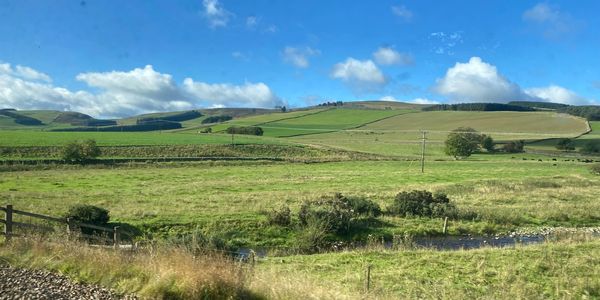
514, 146
590, 148
81, 151
462, 142
487, 142
565, 144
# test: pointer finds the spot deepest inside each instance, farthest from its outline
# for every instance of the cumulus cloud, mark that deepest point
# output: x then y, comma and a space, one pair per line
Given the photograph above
299, 56
402, 12
477, 81
558, 94
140, 90
215, 13
415, 100
550, 20
389, 56
24, 72
247, 95
362, 75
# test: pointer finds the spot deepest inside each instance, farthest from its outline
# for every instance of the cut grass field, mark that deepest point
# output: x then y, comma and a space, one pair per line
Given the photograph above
401, 135
229, 198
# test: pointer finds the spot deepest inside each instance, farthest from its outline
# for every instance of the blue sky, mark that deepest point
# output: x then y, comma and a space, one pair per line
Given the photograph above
116, 58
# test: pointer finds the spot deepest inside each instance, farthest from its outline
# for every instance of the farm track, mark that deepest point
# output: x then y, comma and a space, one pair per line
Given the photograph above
18, 283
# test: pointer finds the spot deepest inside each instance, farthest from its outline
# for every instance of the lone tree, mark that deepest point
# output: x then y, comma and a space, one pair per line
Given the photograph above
462, 142
565, 145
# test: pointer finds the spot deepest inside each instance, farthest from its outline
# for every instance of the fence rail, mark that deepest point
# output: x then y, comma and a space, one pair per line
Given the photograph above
112, 235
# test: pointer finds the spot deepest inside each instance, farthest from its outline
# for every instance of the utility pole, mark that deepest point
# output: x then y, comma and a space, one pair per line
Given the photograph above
423, 151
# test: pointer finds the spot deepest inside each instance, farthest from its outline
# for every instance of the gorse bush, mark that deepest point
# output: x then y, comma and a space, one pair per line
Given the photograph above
89, 214
332, 214
281, 216
422, 203
80, 152
360, 206
337, 213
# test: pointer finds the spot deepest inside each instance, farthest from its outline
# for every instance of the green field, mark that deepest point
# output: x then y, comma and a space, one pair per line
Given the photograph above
41, 138
179, 198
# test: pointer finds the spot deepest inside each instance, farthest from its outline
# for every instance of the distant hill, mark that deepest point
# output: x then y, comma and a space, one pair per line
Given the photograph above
79, 119
20, 119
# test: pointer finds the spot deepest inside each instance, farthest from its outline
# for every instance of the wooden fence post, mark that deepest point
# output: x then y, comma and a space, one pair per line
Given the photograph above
445, 225
368, 283
116, 237
8, 219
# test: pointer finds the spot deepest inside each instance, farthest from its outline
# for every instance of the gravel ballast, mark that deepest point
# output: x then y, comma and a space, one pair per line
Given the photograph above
16, 283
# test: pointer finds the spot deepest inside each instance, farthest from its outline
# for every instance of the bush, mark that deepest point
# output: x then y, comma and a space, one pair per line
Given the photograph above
80, 152
281, 216
514, 146
361, 206
333, 214
88, 214
422, 203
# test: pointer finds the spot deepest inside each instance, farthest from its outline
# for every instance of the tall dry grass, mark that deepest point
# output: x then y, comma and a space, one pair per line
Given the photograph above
158, 272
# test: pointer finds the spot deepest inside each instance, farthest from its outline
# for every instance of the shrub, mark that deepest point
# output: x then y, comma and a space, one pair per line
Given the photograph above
80, 152
88, 214
360, 206
281, 216
333, 214
313, 237
514, 146
422, 203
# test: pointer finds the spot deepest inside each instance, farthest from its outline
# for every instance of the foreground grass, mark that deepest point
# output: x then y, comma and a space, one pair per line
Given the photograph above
561, 270
153, 273
568, 269
229, 199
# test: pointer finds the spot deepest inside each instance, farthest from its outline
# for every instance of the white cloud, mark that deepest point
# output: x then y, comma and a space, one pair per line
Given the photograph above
415, 100
389, 56
477, 81
299, 56
557, 94
247, 95
402, 12
362, 76
251, 22
550, 20
445, 42
140, 90
24, 72
215, 13
271, 29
